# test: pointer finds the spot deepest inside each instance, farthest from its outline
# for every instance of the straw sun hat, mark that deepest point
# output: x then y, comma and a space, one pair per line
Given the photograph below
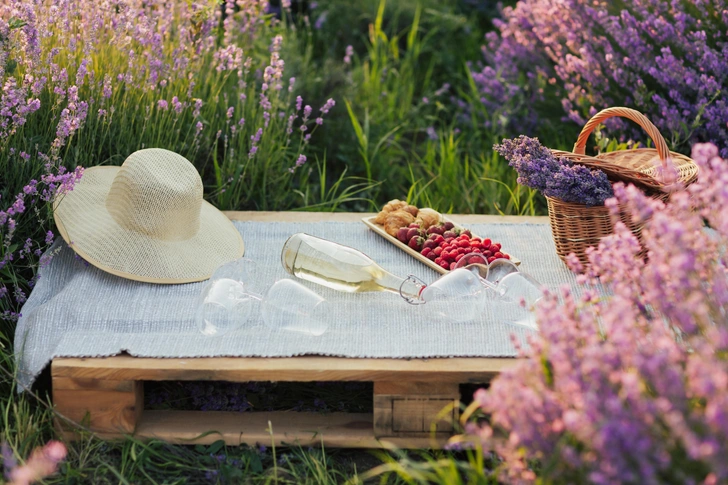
147, 221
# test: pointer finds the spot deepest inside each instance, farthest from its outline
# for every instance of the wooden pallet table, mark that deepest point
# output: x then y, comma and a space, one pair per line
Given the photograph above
409, 395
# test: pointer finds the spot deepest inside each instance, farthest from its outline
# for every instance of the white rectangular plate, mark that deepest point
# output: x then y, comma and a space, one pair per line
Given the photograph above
379, 229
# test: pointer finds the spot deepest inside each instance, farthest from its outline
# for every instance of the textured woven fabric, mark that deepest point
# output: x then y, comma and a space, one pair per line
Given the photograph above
77, 310
147, 221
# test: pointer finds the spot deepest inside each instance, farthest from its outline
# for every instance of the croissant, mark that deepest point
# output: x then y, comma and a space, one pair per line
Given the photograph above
427, 218
397, 219
411, 209
391, 206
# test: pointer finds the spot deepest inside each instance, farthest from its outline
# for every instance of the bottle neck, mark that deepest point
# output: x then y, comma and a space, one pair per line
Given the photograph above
409, 288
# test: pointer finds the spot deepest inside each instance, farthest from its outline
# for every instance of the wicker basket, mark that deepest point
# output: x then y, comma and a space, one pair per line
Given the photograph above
576, 227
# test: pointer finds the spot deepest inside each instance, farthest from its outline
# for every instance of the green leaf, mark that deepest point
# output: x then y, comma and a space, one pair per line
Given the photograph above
215, 447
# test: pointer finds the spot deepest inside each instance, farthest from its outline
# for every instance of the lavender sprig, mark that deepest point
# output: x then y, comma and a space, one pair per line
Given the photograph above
539, 169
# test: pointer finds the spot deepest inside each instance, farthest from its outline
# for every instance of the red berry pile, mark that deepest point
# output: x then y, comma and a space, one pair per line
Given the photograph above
446, 245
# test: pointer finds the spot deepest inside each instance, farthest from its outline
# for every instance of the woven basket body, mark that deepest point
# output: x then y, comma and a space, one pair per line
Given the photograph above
576, 227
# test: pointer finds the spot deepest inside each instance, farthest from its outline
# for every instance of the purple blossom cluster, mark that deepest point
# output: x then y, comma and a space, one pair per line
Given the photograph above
668, 60
630, 388
556, 177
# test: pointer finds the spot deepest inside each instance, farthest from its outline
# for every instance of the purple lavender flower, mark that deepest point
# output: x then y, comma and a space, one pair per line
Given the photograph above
330, 103
539, 169
349, 54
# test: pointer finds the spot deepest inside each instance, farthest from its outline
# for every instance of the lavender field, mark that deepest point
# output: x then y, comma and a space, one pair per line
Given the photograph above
338, 105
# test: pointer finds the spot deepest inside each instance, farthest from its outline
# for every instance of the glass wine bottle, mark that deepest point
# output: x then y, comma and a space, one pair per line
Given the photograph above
343, 268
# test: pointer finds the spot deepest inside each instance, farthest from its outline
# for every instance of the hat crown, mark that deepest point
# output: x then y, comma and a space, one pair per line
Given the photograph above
158, 193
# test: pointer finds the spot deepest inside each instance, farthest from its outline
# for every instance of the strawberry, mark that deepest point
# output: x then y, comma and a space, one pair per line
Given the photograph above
430, 244
412, 232
448, 234
466, 232
448, 225
402, 234
416, 242
414, 225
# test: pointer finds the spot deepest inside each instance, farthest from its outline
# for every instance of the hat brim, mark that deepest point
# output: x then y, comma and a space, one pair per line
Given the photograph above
89, 229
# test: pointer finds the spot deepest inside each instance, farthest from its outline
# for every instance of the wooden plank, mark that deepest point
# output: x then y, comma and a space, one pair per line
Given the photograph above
340, 430
304, 369
291, 216
108, 411
80, 383
407, 408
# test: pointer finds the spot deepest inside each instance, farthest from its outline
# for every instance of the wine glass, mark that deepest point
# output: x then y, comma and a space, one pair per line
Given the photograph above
231, 299
227, 301
469, 286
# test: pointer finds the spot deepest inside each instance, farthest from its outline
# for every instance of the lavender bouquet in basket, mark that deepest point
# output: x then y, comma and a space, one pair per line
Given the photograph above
555, 177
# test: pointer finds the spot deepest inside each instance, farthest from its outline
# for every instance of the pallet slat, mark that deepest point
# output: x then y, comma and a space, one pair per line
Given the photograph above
302, 369
340, 430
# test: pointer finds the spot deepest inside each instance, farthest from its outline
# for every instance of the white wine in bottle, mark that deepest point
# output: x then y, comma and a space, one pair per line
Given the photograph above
341, 267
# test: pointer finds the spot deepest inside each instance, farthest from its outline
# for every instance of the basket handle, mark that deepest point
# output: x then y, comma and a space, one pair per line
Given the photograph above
662, 151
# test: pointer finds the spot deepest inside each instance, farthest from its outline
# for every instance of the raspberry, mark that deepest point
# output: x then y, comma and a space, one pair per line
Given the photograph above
444, 265
437, 251
487, 242
487, 254
498, 255
431, 256
402, 234
459, 257
491, 259
467, 232
438, 260
495, 247
463, 243
452, 266
439, 239
426, 251
507, 256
